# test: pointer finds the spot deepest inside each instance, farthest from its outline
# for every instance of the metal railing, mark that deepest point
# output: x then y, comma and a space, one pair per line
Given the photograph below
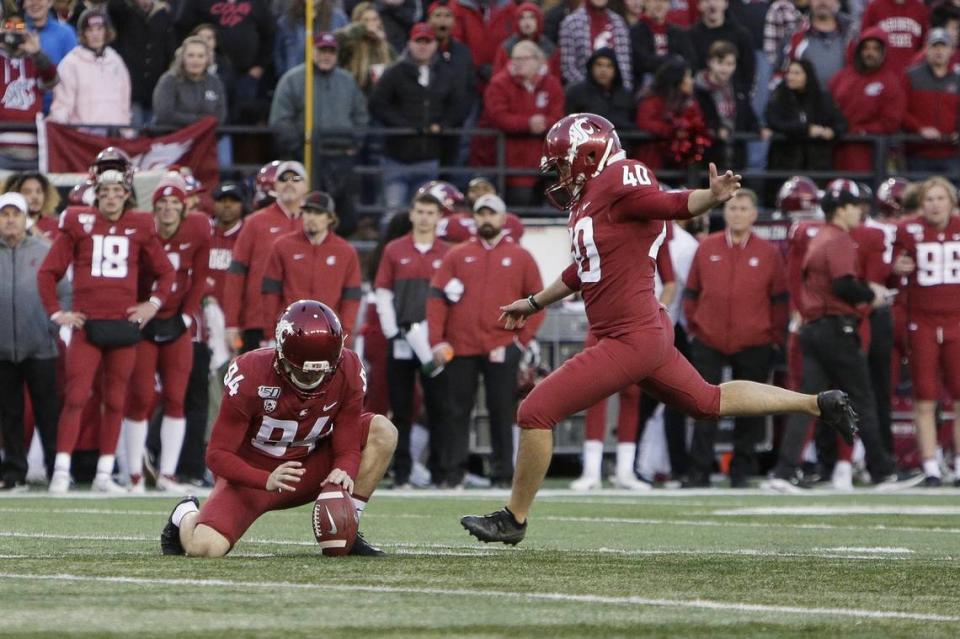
261, 138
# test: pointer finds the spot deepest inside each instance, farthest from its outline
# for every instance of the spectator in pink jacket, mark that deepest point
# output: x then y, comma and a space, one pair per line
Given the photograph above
94, 86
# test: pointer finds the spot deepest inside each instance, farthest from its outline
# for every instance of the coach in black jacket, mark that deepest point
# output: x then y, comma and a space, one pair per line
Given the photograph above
418, 93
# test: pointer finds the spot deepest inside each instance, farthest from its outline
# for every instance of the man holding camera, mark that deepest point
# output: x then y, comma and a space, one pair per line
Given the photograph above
27, 74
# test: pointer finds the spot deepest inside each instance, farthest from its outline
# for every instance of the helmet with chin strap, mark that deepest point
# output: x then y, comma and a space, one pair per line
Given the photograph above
578, 147
890, 196
309, 346
798, 196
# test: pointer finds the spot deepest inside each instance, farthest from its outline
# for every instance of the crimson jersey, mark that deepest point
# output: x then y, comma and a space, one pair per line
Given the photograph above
263, 420
106, 258
616, 229
460, 227
47, 228
798, 242
188, 250
221, 254
935, 285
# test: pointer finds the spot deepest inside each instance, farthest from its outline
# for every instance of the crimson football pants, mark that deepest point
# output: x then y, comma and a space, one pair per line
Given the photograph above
173, 360
627, 418
82, 365
934, 355
647, 357
232, 509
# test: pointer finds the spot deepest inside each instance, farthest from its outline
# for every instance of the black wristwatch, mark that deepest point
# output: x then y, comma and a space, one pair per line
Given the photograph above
533, 304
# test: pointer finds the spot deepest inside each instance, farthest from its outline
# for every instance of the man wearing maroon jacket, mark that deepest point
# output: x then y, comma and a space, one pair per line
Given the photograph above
933, 99
474, 280
167, 347
106, 245
401, 285
242, 301
313, 263
870, 96
736, 306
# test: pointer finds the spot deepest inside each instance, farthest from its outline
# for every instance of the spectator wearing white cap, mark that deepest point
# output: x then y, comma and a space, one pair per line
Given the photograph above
242, 303
28, 350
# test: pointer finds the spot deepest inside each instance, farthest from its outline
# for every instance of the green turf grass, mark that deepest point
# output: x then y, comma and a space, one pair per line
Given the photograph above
591, 566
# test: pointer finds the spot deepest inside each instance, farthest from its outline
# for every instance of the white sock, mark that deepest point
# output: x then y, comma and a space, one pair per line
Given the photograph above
931, 468
359, 504
956, 466
181, 510
105, 465
592, 458
419, 440
62, 462
626, 454
172, 430
135, 442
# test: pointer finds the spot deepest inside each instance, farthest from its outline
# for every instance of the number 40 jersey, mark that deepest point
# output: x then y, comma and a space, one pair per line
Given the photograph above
616, 229
107, 258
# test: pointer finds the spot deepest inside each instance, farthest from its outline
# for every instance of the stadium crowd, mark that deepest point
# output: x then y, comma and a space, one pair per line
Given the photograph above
151, 307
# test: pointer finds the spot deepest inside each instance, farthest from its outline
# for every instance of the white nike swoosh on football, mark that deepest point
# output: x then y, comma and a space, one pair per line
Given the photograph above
333, 525
330, 406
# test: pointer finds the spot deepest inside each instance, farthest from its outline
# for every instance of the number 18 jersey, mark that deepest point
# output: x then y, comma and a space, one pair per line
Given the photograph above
106, 258
616, 229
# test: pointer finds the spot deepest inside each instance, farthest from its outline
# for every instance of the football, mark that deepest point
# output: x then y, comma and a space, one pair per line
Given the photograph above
334, 521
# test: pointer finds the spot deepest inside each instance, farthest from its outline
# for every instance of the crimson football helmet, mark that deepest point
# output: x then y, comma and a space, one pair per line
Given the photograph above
265, 184
798, 197
890, 196
577, 148
450, 196
309, 346
113, 159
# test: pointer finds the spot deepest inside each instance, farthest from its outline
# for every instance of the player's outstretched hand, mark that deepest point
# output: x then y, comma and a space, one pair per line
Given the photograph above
723, 186
514, 315
339, 478
284, 476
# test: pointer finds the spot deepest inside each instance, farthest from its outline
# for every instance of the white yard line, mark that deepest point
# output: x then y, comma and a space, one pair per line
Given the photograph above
740, 524
838, 510
879, 550
690, 604
824, 553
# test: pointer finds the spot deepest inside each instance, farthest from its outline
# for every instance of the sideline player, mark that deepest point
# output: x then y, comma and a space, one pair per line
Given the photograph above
617, 213
289, 423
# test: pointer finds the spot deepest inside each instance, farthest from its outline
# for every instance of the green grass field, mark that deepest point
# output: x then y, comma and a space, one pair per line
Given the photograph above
674, 564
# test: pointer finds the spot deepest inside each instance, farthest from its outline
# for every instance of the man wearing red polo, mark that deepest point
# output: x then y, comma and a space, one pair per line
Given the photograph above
736, 307
474, 280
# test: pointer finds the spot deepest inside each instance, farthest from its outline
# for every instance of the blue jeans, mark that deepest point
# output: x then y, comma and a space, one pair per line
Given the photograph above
757, 151
401, 179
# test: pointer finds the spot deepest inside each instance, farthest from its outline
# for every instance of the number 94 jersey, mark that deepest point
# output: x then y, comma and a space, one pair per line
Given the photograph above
935, 285
263, 420
616, 229
106, 258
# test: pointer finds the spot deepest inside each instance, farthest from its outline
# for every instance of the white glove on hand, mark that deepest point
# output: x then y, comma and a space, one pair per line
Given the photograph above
453, 291
531, 354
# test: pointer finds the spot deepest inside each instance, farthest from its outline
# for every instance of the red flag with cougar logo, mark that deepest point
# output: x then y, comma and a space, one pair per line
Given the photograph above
64, 149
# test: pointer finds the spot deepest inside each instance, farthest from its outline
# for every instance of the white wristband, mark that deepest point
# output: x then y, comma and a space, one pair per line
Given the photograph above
155, 301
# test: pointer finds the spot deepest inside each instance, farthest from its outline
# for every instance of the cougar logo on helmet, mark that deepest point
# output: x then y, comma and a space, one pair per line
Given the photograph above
578, 135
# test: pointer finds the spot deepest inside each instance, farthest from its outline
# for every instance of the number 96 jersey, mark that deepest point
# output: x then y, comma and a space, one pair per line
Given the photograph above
264, 421
106, 258
616, 229
935, 285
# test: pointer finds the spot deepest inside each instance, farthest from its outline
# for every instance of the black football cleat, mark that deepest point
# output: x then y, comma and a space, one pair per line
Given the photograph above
170, 535
363, 548
836, 412
500, 526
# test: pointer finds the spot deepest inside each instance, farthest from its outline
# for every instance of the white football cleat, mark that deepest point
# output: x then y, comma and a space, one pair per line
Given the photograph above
630, 482
842, 477
585, 483
169, 484
60, 482
103, 483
